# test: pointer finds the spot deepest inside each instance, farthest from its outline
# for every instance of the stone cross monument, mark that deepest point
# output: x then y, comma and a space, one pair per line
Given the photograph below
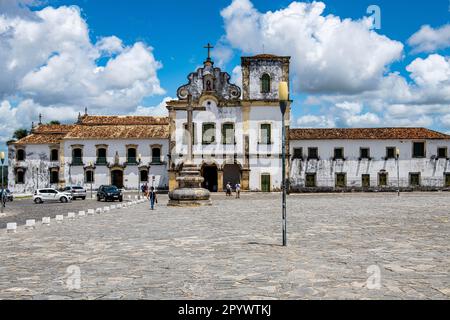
189, 191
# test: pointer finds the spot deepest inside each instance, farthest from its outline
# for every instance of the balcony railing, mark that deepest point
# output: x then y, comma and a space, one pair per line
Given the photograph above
156, 160
132, 160
77, 161
102, 161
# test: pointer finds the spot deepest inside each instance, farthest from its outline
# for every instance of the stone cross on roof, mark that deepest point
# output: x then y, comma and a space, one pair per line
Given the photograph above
209, 47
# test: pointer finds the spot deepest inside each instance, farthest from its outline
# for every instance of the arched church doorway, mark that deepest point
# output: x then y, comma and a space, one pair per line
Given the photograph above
210, 174
117, 178
232, 174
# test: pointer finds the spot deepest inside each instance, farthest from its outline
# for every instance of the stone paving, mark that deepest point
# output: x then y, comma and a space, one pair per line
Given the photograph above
340, 247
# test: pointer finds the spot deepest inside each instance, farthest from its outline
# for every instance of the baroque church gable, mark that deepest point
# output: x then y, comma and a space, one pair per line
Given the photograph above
211, 81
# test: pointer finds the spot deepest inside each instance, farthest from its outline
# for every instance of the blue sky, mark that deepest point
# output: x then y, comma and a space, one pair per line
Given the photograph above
379, 77
179, 29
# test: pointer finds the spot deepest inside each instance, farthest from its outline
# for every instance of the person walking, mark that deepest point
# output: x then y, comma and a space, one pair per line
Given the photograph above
151, 195
238, 190
228, 189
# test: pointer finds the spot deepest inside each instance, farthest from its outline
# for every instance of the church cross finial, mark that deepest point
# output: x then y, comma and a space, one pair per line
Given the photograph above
209, 47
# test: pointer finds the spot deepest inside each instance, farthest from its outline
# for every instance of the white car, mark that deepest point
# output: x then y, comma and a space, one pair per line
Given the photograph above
48, 195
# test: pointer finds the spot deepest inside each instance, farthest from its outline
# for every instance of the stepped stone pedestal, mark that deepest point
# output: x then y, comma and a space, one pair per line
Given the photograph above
190, 193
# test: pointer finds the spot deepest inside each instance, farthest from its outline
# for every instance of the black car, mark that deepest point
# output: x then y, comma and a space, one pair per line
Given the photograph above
8, 195
109, 193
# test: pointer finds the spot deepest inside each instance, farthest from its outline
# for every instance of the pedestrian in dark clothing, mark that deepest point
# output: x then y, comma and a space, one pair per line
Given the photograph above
228, 189
151, 195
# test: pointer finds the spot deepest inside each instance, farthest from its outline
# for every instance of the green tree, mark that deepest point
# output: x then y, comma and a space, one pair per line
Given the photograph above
54, 122
20, 134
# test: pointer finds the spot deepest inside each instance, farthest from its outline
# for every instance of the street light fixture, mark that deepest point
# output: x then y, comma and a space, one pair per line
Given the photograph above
139, 160
284, 98
91, 165
397, 154
3, 204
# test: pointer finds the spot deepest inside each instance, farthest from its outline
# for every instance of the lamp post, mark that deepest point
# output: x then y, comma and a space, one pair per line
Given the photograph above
284, 98
139, 159
91, 165
397, 154
2, 158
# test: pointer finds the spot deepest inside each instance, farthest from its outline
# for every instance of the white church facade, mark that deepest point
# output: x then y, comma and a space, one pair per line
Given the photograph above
237, 138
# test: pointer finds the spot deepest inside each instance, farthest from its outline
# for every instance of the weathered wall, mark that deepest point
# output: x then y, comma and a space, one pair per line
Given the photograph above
37, 164
432, 170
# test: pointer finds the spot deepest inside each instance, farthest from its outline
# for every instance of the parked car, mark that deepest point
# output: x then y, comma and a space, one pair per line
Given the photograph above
8, 195
109, 193
50, 195
77, 192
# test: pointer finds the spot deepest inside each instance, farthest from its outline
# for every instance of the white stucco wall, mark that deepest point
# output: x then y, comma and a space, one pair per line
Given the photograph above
432, 170
37, 164
75, 174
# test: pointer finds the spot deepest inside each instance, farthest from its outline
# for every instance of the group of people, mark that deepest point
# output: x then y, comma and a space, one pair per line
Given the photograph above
229, 190
150, 194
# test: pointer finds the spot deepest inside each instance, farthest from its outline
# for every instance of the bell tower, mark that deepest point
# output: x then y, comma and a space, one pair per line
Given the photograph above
261, 75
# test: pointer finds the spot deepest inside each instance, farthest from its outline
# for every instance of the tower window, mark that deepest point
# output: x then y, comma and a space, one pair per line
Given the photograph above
266, 133
265, 83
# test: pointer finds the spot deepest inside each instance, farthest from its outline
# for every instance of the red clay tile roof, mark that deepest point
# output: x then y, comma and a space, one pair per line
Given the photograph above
46, 134
123, 120
52, 138
53, 128
110, 132
366, 133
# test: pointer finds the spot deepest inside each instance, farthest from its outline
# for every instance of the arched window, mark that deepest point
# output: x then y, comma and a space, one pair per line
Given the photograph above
266, 133
89, 176
209, 133
228, 135
101, 156
54, 176
20, 155
20, 176
265, 83
144, 175
77, 157
54, 155
132, 156
156, 155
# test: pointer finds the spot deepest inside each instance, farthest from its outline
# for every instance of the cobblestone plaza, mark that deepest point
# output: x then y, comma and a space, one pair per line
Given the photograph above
340, 246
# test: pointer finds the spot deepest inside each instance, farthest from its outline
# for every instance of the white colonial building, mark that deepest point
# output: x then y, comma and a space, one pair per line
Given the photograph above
369, 159
236, 138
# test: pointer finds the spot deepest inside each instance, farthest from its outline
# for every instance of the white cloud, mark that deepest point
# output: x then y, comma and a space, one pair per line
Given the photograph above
158, 111
110, 45
51, 60
329, 54
49, 65
428, 39
313, 121
430, 72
